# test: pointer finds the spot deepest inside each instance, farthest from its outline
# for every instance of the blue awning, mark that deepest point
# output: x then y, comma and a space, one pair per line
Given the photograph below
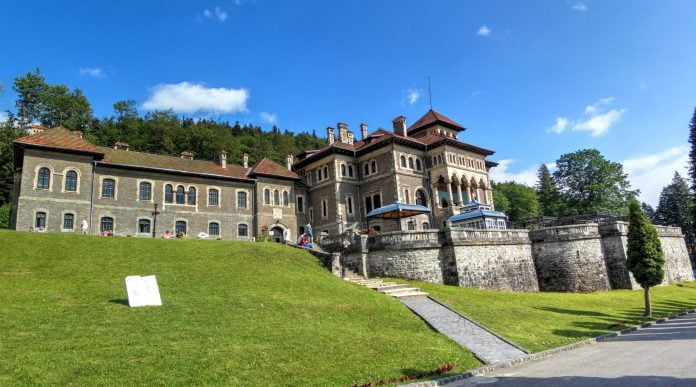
398, 210
477, 214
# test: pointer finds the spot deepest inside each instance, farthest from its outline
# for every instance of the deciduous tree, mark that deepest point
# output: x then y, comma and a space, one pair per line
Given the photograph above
523, 200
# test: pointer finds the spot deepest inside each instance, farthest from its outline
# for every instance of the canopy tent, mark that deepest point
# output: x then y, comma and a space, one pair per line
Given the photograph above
396, 211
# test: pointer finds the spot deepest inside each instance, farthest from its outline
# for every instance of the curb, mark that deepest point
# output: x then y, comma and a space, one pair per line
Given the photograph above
544, 354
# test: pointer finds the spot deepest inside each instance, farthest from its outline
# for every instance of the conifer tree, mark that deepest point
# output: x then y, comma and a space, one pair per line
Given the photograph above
648, 211
549, 198
692, 163
645, 257
675, 204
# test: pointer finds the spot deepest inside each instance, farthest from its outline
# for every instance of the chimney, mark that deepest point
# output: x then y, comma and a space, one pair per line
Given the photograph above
363, 130
289, 161
245, 160
121, 145
223, 159
330, 135
342, 132
78, 133
350, 138
186, 155
399, 125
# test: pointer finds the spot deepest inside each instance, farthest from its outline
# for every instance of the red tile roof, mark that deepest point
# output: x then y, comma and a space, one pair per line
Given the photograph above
268, 167
431, 118
59, 138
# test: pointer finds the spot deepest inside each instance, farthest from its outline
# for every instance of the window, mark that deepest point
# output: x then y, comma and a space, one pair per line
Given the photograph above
106, 224
241, 199
276, 197
366, 169
40, 220
108, 188
214, 228
266, 196
418, 165
324, 209
319, 178
242, 230
373, 167
372, 202
300, 204
145, 191
44, 179
411, 225
326, 172
286, 199
350, 171
168, 194
426, 225
403, 161
213, 197
180, 195
68, 221
180, 227
71, 181
368, 204
407, 196
377, 201
343, 169
410, 163
349, 205
420, 198
144, 226
192, 196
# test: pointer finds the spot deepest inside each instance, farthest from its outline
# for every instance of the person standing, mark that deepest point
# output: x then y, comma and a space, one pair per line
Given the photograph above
286, 236
310, 234
84, 225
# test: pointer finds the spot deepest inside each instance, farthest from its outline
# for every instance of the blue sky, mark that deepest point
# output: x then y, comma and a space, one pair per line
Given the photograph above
530, 80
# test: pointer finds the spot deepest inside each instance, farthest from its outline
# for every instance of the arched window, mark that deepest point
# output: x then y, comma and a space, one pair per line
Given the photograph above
444, 203
349, 205
108, 188
214, 228
180, 195
343, 169
403, 161
366, 169
106, 224
40, 220
71, 181
407, 196
426, 225
418, 165
180, 227
145, 191
192, 196
168, 194
266, 196
286, 199
350, 171
319, 178
241, 199
144, 226
43, 181
324, 209
276, 197
242, 230
373, 166
420, 198
213, 197
410, 163
68, 221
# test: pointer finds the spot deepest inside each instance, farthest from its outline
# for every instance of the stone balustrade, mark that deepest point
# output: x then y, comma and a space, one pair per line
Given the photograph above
574, 232
405, 240
471, 236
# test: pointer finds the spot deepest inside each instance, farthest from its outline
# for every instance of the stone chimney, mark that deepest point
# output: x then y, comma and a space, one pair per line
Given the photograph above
399, 125
350, 138
289, 161
121, 145
342, 132
330, 135
186, 155
363, 130
223, 159
245, 160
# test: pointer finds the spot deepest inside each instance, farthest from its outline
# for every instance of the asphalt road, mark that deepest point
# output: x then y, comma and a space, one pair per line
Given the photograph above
661, 355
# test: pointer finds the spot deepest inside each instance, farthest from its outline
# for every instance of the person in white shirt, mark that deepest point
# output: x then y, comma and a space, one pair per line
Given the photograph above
84, 226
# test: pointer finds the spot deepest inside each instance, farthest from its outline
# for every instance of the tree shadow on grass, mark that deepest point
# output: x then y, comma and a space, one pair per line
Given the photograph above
576, 312
119, 301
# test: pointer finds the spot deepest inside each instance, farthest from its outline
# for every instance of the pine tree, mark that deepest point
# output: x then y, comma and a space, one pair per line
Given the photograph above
648, 211
675, 206
549, 198
692, 166
645, 257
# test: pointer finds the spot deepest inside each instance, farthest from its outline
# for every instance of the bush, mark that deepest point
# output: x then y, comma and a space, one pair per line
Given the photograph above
5, 216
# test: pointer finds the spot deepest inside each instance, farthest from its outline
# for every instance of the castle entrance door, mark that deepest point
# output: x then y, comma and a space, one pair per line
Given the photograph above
276, 234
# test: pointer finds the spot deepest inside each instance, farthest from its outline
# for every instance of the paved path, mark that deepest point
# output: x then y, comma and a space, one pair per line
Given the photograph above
660, 355
486, 346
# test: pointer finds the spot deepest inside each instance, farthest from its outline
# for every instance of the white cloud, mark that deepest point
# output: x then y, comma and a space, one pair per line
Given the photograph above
187, 97
597, 106
579, 6
651, 172
560, 125
599, 124
3, 117
484, 31
412, 96
502, 174
216, 14
95, 72
269, 118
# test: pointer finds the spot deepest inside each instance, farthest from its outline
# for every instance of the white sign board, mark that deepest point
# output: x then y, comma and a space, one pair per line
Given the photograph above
142, 291
277, 213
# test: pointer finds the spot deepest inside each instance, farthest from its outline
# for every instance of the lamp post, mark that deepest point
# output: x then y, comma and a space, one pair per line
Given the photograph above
154, 220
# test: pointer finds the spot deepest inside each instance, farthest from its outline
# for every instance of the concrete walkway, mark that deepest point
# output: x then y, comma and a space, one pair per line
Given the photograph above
486, 346
663, 354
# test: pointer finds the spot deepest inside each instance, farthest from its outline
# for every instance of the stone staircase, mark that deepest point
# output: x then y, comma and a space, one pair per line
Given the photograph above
402, 292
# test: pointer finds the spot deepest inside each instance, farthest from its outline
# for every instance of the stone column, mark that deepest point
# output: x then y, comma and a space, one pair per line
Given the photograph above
436, 196
459, 194
449, 191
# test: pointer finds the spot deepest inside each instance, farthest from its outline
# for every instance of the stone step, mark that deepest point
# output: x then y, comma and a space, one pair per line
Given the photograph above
409, 294
397, 289
381, 285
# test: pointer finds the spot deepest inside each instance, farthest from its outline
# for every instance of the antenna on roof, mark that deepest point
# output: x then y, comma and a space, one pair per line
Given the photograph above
430, 94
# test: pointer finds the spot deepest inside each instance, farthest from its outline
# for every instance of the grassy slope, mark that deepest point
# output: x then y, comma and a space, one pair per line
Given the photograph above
234, 313
539, 321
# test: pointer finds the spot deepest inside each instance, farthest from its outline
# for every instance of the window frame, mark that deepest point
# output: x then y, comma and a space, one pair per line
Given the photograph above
40, 179
149, 226
242, 195
215, 191
101, 223
149, 191
210, 225
104, 188
168, 196
76, 186
194, 197
44, 218
245, 227
65, 216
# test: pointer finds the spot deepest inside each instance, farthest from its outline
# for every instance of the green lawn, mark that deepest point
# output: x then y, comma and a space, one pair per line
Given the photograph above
233, 313
539, 321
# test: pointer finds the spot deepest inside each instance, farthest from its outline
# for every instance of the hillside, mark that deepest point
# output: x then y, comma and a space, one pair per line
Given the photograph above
233, 313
